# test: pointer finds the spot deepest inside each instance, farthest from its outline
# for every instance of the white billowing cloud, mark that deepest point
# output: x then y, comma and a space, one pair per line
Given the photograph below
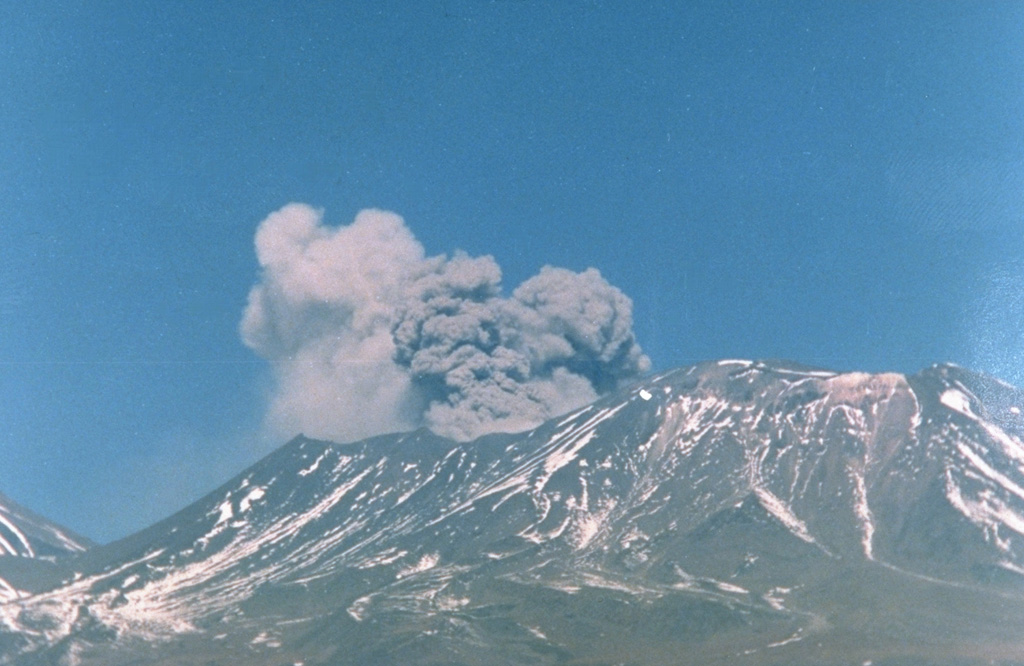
366, 334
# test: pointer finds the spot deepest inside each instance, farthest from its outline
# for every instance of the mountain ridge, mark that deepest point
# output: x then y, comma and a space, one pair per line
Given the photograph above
23, 533
749, 501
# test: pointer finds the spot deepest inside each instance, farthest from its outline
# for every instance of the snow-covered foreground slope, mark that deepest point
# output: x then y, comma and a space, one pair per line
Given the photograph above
732, 512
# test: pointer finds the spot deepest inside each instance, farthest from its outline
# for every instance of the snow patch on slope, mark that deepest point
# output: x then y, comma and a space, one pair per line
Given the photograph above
863, 512
958, 402
425, 563
784, 514
987, 511
254, 495
26, 546
8, 592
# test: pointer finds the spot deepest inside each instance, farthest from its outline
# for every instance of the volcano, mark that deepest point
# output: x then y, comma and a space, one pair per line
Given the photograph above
732, 512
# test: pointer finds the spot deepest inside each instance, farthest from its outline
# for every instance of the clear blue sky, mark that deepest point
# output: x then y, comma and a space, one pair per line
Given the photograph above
840, 185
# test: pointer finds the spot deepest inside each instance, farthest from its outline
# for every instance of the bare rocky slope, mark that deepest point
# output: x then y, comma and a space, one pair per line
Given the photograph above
733, 512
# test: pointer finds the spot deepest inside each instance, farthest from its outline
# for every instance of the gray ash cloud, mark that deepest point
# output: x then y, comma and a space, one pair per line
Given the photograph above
366, 334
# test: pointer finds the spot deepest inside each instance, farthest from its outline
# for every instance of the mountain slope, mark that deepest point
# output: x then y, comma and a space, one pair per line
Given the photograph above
25, 534
29, 548
731, 512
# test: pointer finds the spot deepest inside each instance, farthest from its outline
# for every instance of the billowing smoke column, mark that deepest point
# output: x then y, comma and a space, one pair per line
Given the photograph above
366, 334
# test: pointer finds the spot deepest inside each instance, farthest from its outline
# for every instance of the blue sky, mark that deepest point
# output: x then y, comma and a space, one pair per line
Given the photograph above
841, 185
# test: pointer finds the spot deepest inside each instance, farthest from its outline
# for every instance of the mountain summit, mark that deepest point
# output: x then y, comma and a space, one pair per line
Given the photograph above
733, 512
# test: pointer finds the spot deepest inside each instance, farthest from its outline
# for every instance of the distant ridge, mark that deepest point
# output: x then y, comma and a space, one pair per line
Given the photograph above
26, 534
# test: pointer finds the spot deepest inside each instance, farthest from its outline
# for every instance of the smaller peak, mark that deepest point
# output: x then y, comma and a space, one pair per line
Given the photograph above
24, 533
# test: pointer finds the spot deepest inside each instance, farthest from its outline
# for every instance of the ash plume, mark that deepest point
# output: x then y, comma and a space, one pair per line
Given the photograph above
366, 334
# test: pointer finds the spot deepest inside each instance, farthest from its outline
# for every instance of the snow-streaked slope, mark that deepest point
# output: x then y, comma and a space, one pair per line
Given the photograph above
29, 548
737, 490
25, 534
